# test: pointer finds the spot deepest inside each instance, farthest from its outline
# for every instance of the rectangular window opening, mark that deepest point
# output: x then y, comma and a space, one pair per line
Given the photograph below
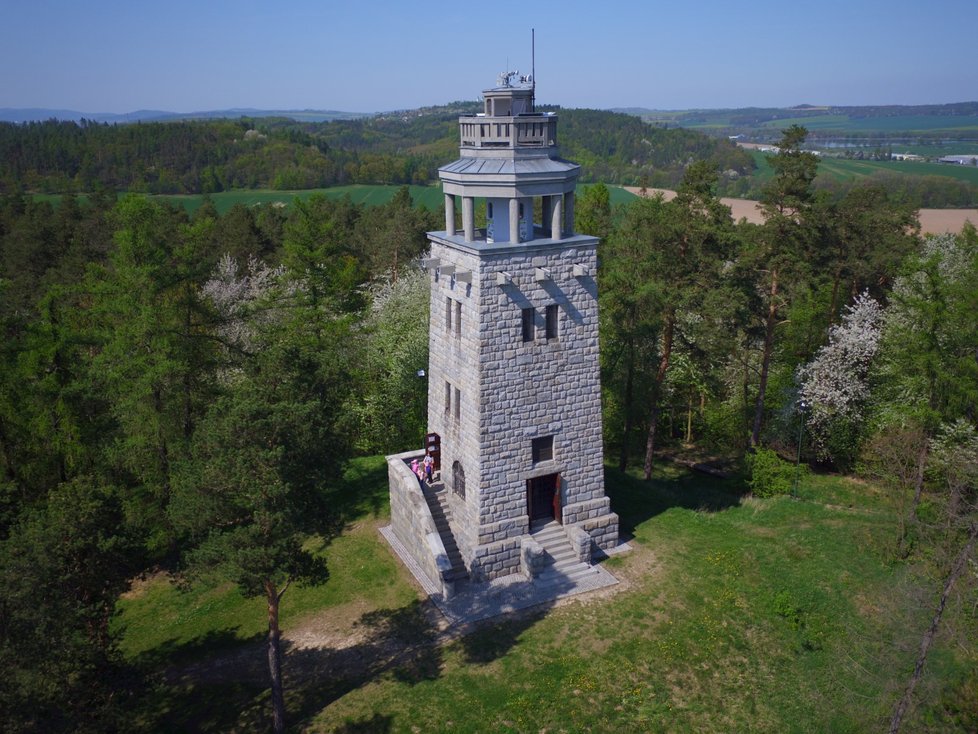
543, 449
448, 397
458, 319
458, 404
448, 314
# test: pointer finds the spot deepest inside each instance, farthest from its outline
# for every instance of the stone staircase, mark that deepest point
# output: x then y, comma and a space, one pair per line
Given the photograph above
562, 567
437, 499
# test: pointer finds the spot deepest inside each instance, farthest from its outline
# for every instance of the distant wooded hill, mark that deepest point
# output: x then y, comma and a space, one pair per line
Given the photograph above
206, 156
957, 121
39, 114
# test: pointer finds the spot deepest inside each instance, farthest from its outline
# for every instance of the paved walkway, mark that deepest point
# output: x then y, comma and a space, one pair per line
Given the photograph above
474, 602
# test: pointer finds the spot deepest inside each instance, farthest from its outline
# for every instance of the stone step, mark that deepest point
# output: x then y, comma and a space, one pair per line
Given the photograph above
562, 557
560, 554
571, 575
556, 540
440, 513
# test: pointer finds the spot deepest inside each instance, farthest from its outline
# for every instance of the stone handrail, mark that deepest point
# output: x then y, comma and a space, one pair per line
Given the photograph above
580, 541
411, 519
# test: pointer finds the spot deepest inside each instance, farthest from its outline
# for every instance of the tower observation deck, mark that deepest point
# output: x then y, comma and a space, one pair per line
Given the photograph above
509, 158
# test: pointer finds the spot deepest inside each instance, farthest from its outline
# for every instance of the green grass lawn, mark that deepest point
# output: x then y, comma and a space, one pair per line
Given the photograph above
190, 622
733, 614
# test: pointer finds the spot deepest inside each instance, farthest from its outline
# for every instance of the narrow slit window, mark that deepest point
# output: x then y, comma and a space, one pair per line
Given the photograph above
553, 315
458, 404
448, 314
528, 327
458, 479
458, 319
448, 397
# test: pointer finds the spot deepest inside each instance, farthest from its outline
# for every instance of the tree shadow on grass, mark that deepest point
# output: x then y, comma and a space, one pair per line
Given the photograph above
203, 648
376, 724
636, 500
493, 639
228, 690
400, 643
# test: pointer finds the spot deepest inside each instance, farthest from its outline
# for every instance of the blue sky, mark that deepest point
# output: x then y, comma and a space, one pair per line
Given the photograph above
180, 56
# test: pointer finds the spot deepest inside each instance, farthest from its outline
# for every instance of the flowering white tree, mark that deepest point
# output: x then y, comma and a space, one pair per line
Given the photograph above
236, 293
388, 410
835, 384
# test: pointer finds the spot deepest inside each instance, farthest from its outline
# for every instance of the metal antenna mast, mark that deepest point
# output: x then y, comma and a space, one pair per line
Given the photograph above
533, 69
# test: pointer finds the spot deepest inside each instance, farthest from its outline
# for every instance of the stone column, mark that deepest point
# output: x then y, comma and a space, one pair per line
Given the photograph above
514, 220
569, 212
557, 217
468, 218
450, 214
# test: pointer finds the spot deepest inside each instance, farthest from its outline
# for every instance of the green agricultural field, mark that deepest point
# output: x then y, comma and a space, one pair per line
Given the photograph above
812, 122
844, 168
428, 196
849, 170
733, 614
896, 123
936, 151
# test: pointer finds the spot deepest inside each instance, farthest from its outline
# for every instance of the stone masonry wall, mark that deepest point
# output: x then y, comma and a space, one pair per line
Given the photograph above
454, 359
513, 391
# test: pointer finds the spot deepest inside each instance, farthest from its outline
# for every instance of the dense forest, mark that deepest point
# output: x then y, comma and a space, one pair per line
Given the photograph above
209, 156
180, 393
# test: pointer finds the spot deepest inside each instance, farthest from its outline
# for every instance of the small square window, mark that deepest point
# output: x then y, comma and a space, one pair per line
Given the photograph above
529, 316
543, 449
553, 313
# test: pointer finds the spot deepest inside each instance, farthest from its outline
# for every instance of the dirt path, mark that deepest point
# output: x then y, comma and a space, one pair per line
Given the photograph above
932, 221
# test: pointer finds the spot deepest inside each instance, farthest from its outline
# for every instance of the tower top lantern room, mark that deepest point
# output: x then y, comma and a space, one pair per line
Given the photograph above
509, 158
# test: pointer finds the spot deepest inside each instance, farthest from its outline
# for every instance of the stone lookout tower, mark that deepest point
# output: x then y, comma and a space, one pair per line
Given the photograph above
514, 398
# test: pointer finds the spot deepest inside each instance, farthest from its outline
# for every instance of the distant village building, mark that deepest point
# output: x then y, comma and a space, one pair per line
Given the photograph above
514, 398
961, 160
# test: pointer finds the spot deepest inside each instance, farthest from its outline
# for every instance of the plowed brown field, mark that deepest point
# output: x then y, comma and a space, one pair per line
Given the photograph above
932, 221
